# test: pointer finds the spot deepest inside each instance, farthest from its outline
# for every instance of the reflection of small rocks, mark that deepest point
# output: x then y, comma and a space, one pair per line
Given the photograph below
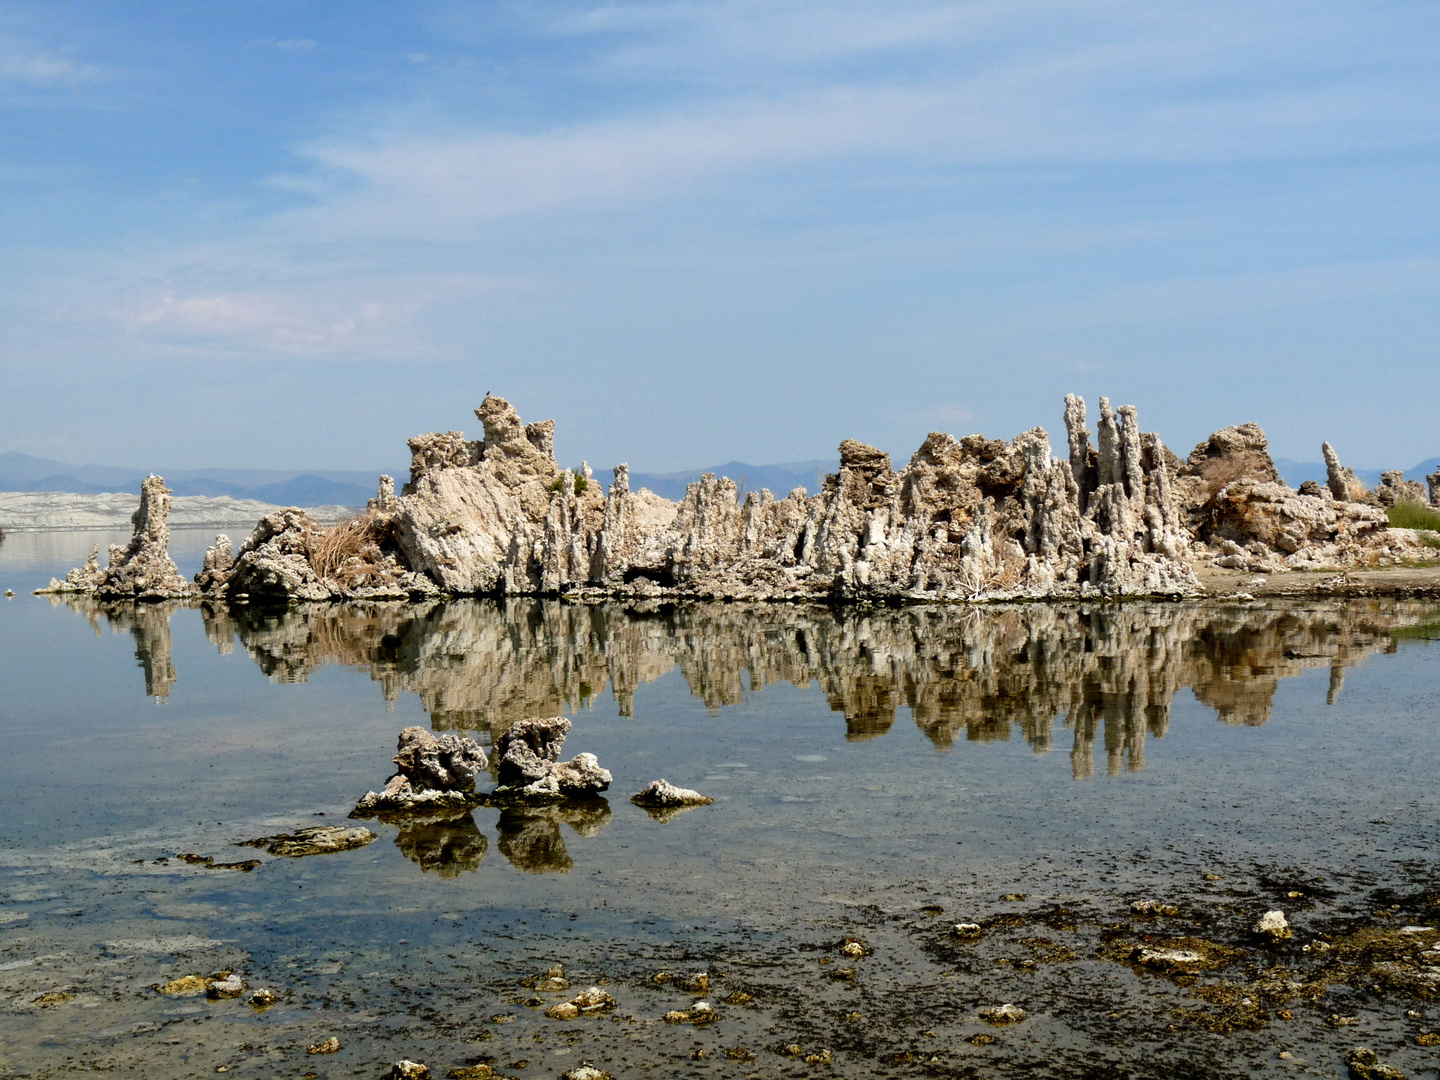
448, 844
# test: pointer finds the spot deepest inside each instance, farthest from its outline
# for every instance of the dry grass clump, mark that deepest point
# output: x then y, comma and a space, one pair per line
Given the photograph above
347, 552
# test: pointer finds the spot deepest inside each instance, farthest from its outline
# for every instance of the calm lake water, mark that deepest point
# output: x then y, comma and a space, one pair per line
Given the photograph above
879, 774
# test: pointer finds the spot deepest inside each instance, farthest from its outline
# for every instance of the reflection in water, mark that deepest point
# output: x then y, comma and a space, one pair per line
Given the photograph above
1109, 670
530, 835
448, 844
149, 623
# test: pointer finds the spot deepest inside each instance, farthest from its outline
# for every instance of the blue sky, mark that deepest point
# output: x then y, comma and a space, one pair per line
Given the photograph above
293, 234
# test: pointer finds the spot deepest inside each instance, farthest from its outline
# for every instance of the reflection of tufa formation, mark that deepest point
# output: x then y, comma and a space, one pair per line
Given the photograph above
965, 519
964, 673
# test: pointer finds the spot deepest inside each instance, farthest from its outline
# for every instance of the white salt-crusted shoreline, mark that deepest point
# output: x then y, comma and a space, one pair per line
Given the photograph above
27, 511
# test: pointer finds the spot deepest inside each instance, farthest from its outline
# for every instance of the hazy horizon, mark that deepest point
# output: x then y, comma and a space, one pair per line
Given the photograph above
253, 234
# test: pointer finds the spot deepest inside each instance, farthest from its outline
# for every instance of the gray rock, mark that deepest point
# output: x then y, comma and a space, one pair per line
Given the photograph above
317, 840
529, 769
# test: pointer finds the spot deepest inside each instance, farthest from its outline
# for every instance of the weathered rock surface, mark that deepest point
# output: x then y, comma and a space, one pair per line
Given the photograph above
436, 773
446, 844
663, 798
530, 769
143, 570
1274, 925
1394, 488
291, 556
317, 840
971, 519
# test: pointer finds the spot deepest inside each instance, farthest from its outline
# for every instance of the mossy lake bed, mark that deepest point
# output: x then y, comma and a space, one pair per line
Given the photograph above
1108, 798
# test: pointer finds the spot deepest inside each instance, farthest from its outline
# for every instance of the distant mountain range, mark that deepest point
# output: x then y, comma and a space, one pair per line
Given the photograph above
1296, 473
22, 472
780, 479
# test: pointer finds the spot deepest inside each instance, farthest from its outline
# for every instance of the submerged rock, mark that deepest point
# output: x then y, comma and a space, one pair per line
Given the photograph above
317, 840
529, 769
409, 1070
324, 1046
1365, 1064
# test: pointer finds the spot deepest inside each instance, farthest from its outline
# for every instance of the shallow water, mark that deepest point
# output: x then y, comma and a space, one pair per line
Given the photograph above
868, 768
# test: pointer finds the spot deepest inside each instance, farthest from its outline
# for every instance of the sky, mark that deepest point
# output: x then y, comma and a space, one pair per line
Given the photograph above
287, 234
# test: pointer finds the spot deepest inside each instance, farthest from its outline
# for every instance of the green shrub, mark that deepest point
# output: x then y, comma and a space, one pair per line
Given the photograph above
581, 484
1414, 515
558, 484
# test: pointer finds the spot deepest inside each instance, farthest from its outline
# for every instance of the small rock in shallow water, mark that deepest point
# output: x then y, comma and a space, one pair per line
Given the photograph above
1366, 1065
967, 930
318, 840
1273, 926
325, 1046
1154, 907
551, 982
53, 998
184, 986
586, 1003
854, 948
661, 794
232, 986
1427, 1038
1003, 1014
263, 999
983, 1039
1166, 959
472, 1072
585, 1072
820, 1057
409, 1070
699, 1013
1013, 897
1336, 1020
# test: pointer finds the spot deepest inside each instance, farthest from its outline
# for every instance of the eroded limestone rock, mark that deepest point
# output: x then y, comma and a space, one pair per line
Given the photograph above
142, 570
530, 769
1394, 488
436, 773
663, 800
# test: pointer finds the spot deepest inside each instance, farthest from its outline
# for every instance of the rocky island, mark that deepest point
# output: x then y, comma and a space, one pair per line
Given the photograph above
969, 519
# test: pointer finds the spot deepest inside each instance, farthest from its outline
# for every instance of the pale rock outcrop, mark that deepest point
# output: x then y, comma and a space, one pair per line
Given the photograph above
1248, 519
142, 570
1433, 483
662, 795
436, 773
290, 556
1341, 481
530, 769
1394, 488
83, 579
971, 519
219, 562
